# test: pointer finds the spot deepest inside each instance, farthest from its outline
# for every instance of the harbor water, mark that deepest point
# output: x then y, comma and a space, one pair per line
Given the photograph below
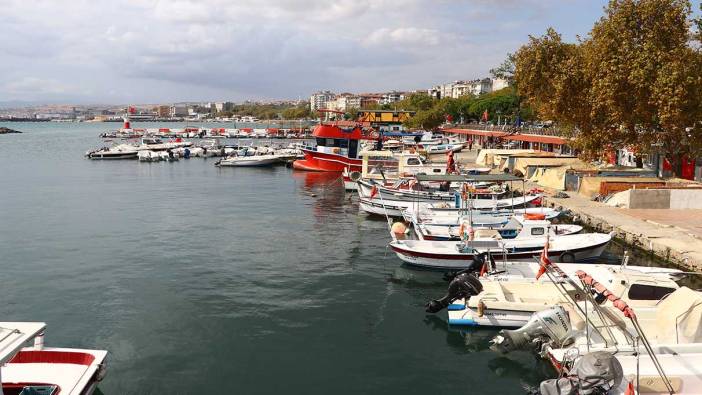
208, 280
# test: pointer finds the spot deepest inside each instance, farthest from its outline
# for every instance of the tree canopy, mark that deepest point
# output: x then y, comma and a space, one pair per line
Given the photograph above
635, 80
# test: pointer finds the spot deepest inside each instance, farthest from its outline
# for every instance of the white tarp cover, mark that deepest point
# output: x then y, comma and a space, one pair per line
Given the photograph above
488, 156
679, 317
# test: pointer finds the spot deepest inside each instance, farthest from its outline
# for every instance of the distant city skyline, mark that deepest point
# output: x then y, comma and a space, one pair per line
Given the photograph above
151, 51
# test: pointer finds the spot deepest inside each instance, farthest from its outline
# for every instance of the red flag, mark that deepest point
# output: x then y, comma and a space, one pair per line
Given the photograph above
543, 261
630, 389
485, 115
374, 191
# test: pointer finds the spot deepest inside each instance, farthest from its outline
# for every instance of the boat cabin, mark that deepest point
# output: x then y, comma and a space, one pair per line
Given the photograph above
395, 165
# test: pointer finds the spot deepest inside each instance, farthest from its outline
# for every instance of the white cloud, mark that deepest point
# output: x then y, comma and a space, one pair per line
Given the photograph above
169, 50
408, 36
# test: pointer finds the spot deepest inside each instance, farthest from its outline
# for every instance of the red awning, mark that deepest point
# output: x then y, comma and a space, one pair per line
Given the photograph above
533, 138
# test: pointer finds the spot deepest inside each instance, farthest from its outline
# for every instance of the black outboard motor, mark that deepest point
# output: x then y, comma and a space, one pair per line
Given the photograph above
463, 286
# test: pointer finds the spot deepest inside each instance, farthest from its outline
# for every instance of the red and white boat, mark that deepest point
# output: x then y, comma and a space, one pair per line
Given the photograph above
338, 147
46, 371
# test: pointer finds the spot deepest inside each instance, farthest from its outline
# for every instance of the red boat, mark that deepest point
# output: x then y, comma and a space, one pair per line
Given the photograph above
337, 147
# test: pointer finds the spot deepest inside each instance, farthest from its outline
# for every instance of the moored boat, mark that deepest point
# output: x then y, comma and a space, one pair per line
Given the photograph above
45, 370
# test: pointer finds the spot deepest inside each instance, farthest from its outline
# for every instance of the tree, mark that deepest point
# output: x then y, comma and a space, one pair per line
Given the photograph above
426, 119
505, 71
634, 81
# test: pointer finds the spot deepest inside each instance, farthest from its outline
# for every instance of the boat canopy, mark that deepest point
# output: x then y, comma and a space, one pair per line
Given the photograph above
468, 178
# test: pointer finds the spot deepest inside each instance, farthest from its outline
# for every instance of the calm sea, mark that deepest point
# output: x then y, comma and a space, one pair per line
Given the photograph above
220, 281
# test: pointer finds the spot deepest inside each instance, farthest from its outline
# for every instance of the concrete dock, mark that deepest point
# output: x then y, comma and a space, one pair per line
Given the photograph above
672, 235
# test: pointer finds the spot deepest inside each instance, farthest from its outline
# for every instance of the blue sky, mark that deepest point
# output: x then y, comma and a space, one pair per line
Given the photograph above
147, 51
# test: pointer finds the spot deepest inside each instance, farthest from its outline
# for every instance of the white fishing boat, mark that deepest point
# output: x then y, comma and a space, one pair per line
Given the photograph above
34, 370
445, 214
382, 204
516, 227
387, 166
121, 151
458, 255
249, 161
408, 190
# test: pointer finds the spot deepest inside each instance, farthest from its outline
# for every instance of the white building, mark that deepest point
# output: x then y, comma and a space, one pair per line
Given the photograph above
499, 83
345, 102
322, 100
392, 97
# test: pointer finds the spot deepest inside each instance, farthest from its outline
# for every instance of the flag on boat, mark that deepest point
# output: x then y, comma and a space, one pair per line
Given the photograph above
544, 262
374, 191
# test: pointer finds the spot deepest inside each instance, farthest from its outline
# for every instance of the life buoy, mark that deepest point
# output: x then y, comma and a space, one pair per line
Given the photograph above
534, 216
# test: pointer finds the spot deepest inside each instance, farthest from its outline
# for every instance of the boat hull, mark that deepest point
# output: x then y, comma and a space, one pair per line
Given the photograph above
458, 260
322, 161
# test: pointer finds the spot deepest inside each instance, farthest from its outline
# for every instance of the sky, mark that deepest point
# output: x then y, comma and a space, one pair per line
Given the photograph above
162, 51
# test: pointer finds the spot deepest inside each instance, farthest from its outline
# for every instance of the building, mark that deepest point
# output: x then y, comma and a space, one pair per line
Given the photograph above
321, 100
385, 120
392, 97
370, 99
457, 89
163, 111
499, 83
345, 102
224, 106
178, 111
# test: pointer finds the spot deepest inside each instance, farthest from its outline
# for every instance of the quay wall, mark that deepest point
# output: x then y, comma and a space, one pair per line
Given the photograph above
670, 243
673, 199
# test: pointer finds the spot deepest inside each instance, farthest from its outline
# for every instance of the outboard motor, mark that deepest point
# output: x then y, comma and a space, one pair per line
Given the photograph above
547, 325
595, 373
462, 286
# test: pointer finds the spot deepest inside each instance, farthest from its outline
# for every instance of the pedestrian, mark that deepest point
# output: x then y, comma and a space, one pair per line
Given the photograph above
470, 144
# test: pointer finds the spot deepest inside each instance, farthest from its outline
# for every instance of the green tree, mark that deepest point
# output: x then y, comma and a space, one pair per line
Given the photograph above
505, 70
634, 81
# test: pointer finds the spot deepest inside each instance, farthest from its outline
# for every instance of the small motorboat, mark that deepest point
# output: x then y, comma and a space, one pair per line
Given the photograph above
121, 151
444, 148
511, 294
45, 370
250, 161
157, 156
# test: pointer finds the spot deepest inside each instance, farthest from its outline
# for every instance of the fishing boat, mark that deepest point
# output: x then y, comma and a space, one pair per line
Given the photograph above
45, 370
337, 146
388, 166
515, 227
121, 151
433, 214
458, 255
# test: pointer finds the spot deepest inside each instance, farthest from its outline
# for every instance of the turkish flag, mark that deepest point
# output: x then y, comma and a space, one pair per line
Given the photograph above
544, 262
